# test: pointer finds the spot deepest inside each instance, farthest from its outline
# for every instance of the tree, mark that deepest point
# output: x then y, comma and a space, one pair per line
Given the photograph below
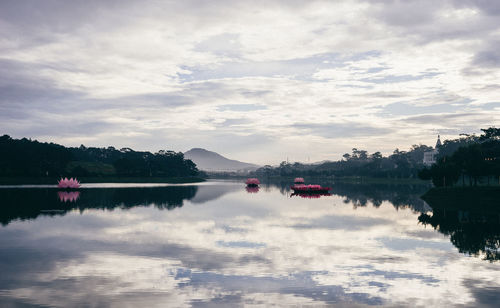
490, 133
34, 159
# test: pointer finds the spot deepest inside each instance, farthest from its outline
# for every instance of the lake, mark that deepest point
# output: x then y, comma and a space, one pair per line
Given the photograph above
219, 244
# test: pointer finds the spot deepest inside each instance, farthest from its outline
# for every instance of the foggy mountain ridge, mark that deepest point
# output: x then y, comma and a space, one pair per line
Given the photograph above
212, 161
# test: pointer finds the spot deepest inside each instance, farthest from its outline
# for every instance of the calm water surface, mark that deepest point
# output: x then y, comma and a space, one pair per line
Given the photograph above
217, 244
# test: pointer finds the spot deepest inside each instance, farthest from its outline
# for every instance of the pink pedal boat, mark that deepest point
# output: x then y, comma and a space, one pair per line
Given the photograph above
300, 188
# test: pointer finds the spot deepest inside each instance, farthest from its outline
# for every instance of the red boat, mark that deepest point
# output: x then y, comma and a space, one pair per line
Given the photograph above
298, 181
300, 188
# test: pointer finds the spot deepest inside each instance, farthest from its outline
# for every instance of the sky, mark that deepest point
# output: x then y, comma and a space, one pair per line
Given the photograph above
258, 81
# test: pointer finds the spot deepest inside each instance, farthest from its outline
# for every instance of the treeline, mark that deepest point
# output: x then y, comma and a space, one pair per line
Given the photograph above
401, 164
475, 158
469, 157
27, 158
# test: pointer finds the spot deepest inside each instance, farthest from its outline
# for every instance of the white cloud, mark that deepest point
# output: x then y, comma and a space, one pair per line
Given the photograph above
163, 69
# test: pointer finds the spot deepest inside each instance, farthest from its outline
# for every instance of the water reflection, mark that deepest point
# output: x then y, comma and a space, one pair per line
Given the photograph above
252, 189
68, 196
470, 219
30, 203
226, 247
360, 195
310, 195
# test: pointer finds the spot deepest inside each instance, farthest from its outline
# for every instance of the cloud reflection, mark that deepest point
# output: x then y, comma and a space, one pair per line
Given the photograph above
238, 249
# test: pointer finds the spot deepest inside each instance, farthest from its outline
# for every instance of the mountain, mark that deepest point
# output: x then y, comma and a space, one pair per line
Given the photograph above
211, 161
320, 162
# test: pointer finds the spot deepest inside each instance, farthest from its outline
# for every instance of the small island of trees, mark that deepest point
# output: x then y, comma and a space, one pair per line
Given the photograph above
24, 160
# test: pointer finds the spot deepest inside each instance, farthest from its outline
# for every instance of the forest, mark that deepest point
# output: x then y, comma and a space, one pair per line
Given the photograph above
400, 164
473, 159
468, 157
30, 158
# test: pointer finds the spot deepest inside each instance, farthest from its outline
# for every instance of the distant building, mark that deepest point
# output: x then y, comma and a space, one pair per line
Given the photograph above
430, 157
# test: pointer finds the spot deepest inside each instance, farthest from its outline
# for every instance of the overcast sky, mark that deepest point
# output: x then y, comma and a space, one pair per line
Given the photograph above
257, 81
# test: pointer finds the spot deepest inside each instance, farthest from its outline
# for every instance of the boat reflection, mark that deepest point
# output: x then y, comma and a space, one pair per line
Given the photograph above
252, 189
310, 195
68, 196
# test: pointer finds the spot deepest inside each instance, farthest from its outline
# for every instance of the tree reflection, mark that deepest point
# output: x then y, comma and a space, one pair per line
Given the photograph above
30, 203
471, 219
360, 195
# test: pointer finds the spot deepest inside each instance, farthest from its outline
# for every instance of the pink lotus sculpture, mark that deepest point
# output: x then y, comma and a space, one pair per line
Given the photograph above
68, 196
68, 183
252, 182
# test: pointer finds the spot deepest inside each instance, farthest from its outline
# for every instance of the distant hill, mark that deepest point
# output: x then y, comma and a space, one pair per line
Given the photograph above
321, 162
211, 161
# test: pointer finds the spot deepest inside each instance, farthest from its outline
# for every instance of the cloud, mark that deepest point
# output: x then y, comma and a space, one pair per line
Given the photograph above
488, 57
407, 109
141, 74
489, 7
340, 223
241, 107
345, 130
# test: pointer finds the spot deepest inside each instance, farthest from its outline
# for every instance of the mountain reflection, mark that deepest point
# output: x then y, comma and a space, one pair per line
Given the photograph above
470, 219
30, 203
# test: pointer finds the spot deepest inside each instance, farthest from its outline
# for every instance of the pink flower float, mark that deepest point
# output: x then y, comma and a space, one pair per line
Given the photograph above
252, 182
68, 183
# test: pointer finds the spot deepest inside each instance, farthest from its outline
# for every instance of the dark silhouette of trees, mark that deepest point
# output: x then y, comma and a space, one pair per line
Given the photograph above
400, 164
491, 133
468, 157
473, 158
28, 158
31, 158
444, 173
